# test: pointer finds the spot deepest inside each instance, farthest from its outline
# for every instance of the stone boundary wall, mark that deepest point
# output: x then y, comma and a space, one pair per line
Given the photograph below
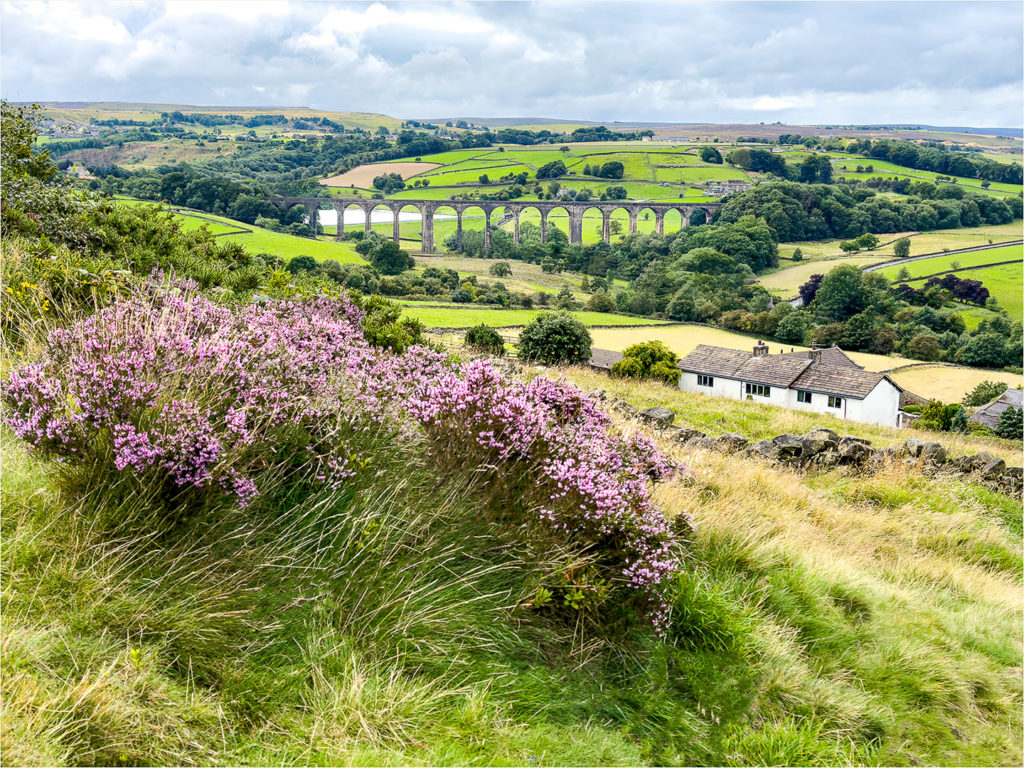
823, 448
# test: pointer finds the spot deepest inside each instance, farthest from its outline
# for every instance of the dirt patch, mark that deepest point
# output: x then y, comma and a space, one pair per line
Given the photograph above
363, 175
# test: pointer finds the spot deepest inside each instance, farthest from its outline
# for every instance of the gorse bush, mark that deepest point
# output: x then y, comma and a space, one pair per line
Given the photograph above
208, 405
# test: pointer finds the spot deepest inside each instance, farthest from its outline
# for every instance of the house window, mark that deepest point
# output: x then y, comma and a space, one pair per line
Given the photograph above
835, 402
705, 381
802, 396
759, 389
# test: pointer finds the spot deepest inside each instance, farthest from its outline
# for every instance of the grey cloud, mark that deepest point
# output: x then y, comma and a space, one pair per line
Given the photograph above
946, 62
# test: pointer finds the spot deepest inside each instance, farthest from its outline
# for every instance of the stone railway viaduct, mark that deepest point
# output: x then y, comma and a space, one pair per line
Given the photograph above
427, 208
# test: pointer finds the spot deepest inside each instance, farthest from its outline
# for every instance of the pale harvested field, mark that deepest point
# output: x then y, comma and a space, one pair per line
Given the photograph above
363, 175
948, 384
788, 281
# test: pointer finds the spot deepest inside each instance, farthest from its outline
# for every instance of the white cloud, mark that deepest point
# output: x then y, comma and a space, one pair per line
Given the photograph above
631, 61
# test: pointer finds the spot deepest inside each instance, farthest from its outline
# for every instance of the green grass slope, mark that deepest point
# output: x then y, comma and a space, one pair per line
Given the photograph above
823, 620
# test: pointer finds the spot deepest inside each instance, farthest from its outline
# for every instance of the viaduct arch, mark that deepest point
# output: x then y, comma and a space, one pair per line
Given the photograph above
514, 208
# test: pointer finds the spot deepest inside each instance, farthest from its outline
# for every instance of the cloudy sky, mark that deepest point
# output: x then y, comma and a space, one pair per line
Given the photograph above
947, 63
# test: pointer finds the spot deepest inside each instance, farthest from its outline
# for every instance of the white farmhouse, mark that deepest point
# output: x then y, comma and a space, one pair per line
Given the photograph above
817, 380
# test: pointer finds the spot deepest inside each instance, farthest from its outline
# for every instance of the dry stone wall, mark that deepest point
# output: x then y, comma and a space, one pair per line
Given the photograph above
823, 448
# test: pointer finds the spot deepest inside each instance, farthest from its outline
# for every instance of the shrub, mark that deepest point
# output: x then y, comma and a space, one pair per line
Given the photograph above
601, 302
1011, 424
934, 416
548, 443
985, 392
207, 405
303, 264
486, 339
648, 360
555, 338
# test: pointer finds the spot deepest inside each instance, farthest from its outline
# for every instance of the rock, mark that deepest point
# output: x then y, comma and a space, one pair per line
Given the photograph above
685, 434
623, 407
731, 442
658, 415
912, 447
977, 461
824, 433
706, 442
764, 449
933, 453
852, 439
598, 394
993, 470
790, 446
851, 452
818, 441
1015, 472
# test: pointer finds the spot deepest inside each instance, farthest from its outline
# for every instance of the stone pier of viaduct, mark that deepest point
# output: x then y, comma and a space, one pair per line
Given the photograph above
512, 208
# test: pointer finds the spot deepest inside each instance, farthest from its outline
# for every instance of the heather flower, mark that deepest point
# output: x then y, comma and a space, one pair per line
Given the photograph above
201, 396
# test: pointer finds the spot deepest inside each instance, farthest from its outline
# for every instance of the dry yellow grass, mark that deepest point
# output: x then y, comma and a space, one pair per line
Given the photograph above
363, 175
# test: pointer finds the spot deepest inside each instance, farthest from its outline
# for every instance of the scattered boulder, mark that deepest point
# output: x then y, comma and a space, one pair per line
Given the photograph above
658, 415
623, 407
789, 446
685, 434
912, 447
993, 469
853, 452
706, 442
764, 449
818, 441
731, 442
824, 433
598, 394
933, 453
852, 439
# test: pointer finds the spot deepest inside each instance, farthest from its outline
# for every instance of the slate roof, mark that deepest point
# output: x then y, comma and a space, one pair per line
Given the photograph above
829, 355
988, 415
791, 370
840, 380
604, 358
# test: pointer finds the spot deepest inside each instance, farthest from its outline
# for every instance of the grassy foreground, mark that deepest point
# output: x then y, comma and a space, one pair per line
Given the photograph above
827, 620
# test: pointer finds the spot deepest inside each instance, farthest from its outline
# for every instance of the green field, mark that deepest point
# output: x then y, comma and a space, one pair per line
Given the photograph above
940, 264
655, 172
443, 317
260, 240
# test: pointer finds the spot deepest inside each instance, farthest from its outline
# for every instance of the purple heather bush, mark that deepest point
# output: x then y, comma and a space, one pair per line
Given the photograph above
204, 398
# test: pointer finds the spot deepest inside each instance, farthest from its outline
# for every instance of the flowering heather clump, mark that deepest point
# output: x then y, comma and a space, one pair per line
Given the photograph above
200, 396
590, 484
185, 387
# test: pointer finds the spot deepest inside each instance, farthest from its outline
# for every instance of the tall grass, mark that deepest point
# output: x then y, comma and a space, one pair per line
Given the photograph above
820, 619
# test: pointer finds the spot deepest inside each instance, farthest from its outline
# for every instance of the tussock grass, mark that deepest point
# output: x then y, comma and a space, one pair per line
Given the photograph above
823, 619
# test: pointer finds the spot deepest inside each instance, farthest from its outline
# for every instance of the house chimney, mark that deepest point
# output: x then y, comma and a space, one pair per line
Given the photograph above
760, 349
815, 355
